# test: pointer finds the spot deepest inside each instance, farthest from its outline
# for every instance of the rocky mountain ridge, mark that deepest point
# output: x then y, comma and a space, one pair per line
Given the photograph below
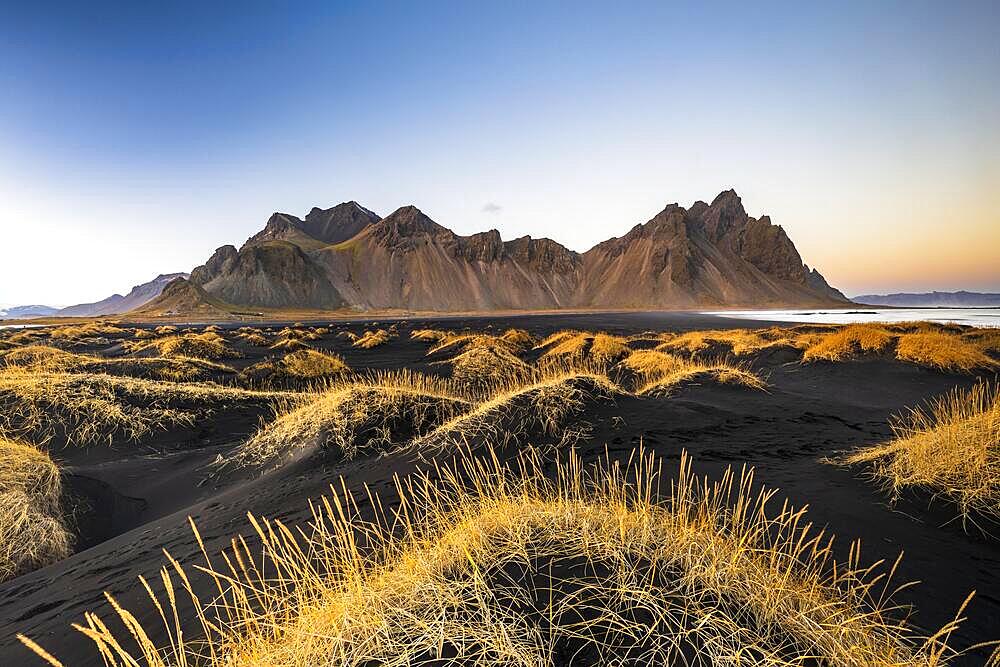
709, 255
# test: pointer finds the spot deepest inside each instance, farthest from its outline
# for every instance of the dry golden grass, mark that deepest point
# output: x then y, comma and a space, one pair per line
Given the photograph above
206, 345
943, 350
298, 334
566, 344
928, 344
372, 339
556, 338
13, 338
479, 369
601, 348
49, 359
42, 357
494, 564
313, 364
850, 342
289, 344
480, 361
659, 372
987, 339
951, 449
297, 366
540, 403
32, 531
519, 338
89, 408
76, 332
252, 337
368, 414
739, 342
428, 335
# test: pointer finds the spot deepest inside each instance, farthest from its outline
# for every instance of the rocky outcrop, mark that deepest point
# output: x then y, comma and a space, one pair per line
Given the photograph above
708, 255
711, 255
270, 273
320, 227
182, 297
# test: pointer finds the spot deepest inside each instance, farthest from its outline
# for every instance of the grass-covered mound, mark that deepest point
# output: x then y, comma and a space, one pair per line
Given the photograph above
598, 348
32, 531
549, 404
375, 338
494, 564
295, 367
44, 358
359, 415
205, 345
951, 449
90, 408
658, 372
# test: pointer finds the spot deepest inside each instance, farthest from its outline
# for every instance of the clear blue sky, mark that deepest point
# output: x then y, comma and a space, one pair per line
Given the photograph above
134, 140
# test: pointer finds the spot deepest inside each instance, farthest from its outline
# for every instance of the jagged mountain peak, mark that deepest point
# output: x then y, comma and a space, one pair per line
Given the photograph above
407, 221
712, 254
339, 223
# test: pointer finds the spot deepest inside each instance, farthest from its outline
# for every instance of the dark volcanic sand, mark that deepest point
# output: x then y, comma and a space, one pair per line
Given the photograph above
143, 495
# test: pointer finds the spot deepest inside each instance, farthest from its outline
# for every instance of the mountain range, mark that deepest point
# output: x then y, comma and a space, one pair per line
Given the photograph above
113, 305
348, 257
960, 299
116, 303
26, 312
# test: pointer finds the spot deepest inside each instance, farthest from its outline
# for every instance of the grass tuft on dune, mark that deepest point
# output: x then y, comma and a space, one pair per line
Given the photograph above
206, 345
302, 365
601, 348
502, 564
366, 414
370, 339
43, 358
540, 403
944, 351
481, 362
849, 342
951, 448
659, 372
90, 408
32, 531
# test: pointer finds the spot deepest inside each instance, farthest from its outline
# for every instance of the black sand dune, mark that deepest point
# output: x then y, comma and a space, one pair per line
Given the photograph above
133, 503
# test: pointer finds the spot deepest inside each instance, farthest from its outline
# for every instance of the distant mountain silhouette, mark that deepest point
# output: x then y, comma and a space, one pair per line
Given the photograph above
26, 312
961, 299
710, 255
116, 303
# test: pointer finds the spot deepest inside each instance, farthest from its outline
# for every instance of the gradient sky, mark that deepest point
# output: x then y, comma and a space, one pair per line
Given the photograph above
134, 141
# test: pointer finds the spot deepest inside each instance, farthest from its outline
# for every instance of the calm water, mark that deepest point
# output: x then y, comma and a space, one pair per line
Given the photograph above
19, 326
980, 317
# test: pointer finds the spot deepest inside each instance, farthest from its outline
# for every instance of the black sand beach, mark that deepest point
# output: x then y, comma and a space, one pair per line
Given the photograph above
133, 502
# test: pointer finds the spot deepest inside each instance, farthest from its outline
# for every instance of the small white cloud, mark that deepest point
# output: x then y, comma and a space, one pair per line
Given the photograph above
491, 207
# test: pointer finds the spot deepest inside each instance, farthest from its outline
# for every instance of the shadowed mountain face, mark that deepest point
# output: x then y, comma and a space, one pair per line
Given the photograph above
708, 255
183, 296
